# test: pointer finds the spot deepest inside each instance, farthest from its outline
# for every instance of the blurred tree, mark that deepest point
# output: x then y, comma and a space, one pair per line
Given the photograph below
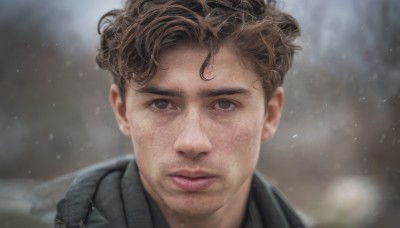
54, 114
378, 44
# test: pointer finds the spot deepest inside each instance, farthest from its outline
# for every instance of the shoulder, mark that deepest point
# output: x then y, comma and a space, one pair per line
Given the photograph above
77, 203
271, 201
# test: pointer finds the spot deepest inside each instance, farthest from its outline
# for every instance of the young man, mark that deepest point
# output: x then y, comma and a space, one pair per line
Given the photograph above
197, 89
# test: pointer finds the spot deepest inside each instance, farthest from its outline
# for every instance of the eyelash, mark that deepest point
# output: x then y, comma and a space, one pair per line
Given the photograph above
232, 105
152, 104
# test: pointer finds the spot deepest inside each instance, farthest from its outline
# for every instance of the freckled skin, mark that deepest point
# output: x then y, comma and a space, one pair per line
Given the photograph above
196, 133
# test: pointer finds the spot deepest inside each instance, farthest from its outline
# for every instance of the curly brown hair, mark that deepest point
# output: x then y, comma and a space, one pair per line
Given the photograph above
133, 38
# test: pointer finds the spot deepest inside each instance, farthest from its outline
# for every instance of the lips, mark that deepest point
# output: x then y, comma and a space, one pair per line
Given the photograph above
192, 181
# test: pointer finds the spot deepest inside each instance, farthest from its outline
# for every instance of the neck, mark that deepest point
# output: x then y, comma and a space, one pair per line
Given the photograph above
230, 215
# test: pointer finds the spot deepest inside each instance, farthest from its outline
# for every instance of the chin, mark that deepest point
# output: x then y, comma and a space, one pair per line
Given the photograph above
194, 205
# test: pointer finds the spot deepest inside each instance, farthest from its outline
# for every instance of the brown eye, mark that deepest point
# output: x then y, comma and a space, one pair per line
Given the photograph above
225, 105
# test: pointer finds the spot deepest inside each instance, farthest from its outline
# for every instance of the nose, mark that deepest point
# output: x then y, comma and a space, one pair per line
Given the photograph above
192, 141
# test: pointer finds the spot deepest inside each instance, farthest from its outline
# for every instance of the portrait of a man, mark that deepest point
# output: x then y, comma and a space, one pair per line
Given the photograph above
200, 113
197, 89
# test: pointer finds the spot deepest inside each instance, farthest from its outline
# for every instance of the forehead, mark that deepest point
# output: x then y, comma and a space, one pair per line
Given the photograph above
195, 54
180, 67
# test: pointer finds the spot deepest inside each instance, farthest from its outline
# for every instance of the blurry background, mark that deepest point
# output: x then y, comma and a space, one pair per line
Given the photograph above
336, 155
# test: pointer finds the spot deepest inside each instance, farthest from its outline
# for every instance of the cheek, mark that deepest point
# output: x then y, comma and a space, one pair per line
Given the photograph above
150, 138
150, 149
239, 141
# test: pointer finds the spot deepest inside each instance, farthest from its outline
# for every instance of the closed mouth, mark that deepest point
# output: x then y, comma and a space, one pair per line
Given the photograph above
192, 181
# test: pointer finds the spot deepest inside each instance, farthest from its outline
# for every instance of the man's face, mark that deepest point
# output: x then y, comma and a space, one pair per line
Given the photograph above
197, 142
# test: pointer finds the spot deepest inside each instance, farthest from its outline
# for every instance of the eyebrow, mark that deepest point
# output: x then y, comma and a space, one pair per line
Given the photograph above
203, 93
160, 91
224, 91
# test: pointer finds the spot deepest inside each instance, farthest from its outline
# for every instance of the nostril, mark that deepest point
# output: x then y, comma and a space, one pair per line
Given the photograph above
192, 154
189, 146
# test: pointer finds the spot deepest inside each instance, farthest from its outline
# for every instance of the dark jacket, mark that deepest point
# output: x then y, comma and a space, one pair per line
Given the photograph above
112, 195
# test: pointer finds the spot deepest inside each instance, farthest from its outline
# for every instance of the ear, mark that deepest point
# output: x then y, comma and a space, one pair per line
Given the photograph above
273, 114
119, 109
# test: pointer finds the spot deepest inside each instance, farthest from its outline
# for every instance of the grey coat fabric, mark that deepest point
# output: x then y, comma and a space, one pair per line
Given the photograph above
112, 195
